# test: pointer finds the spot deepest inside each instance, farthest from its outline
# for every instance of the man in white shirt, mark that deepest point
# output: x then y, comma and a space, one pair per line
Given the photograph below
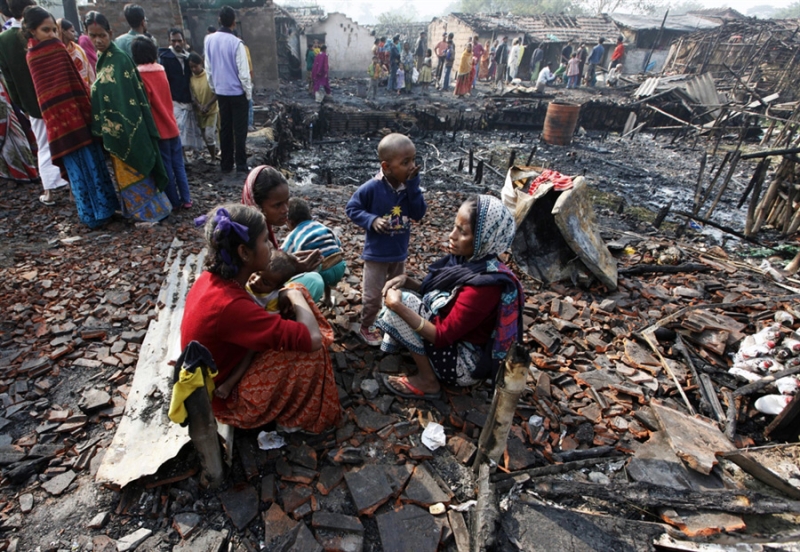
545, 76
229, 78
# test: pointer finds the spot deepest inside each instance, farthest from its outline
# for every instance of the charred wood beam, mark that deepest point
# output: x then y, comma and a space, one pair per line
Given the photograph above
673, 117
665, 269
647, 495
767, 153
555, 469
719, 226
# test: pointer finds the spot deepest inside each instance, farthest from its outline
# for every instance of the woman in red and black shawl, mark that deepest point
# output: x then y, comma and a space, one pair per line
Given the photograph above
66, 106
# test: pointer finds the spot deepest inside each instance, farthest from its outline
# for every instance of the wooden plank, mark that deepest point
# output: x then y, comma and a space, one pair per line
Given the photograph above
653, 496
785, 424
696, 441
752, 466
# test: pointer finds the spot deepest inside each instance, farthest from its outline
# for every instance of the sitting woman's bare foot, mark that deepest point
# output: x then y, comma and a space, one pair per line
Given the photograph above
223, 391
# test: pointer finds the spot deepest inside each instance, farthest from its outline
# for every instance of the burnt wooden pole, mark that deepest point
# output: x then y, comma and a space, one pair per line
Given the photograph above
510, 385
203, 433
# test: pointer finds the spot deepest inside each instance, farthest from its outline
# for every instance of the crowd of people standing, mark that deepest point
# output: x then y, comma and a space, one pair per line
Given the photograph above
112, 118
496, 62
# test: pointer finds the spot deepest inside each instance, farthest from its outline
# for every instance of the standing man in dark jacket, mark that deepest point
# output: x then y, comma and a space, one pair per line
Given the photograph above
419, 49
175, 60
501, 59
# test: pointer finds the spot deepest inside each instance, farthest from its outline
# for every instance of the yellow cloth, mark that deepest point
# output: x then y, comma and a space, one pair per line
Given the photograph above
466, 63
249, 60
203, 94
187, 383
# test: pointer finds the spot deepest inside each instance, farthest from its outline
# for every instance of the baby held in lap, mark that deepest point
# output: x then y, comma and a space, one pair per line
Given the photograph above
266, 289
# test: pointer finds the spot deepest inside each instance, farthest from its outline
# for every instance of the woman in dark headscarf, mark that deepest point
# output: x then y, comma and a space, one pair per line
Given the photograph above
461, 320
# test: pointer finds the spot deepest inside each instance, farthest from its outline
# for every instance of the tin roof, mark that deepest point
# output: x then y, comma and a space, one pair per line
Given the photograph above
546, 27
685, 22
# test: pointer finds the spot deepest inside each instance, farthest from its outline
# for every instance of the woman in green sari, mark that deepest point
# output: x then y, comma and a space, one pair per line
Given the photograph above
122, 118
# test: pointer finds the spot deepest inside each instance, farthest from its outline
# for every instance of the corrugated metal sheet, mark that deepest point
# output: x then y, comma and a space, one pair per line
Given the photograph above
685, 22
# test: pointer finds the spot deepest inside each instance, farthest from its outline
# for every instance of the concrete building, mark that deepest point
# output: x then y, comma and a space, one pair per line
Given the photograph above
162, 15
349, 44
256, 27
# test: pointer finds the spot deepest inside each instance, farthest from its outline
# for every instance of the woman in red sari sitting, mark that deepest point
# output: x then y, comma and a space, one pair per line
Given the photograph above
290, 380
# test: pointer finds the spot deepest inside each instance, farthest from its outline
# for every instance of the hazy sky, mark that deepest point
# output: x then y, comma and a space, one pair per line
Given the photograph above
427, 9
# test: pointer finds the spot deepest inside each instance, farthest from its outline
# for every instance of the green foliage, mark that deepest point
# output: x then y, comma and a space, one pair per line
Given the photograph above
685, 6
791, 11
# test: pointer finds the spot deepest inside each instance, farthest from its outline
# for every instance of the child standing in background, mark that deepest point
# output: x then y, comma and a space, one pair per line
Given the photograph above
385, 206
145, 55
573, 71
205, 104
426, 72
375, 72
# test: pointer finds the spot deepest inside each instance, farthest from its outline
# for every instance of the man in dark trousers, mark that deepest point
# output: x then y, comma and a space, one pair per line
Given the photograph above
229, 77
175, 60
501, 59
419, 49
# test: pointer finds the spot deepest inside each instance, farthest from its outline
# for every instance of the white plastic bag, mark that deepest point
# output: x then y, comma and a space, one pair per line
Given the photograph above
433, 437
415, 76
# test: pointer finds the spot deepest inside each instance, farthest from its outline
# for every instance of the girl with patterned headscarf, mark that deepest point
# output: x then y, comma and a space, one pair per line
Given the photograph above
461, 320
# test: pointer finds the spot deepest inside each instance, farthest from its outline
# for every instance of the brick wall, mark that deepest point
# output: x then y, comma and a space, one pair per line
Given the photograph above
162, 15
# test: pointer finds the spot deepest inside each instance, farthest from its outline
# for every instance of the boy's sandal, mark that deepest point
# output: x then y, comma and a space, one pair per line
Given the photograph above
48, 202
411, 393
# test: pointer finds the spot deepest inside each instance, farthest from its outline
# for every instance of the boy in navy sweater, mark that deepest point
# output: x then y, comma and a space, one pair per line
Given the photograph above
385, 206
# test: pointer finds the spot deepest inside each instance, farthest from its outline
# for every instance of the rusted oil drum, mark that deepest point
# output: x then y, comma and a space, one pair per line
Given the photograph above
559, 123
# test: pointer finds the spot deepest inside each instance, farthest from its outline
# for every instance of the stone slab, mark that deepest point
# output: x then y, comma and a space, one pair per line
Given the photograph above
59, 483
423, 489
241, 504
540, 527
408, 529
276, 523
369, 488
132, 540
207, 541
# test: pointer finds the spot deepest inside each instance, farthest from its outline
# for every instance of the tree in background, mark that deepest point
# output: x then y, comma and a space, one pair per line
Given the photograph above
789, 12
402, 22
685, 6
762, 11
521, 7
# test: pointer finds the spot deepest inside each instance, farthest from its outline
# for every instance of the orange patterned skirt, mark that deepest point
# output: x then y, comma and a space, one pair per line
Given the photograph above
295, 389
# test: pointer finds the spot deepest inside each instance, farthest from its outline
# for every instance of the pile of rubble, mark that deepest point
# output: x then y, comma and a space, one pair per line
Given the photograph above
604, 439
